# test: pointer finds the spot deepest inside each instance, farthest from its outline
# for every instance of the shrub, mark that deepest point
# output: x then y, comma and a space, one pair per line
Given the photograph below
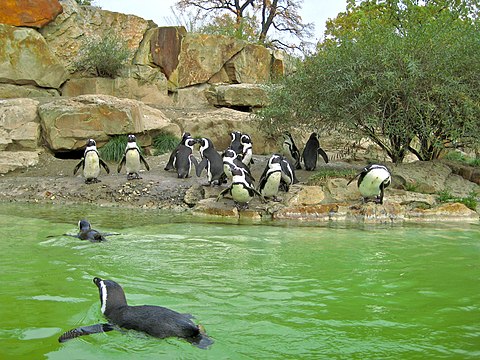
103, 56
164, 143
114, 149
461, 158
469, 201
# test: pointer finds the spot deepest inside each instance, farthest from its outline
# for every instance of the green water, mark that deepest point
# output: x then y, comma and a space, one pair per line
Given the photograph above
261, 291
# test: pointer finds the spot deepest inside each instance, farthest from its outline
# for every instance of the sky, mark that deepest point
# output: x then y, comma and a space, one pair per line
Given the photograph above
313, 11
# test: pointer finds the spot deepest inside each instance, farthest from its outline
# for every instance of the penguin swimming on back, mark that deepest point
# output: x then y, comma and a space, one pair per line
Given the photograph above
91, 163
156, 321
132, 158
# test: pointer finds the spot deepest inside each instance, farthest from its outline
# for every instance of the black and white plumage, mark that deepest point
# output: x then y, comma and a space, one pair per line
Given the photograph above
241, 189
169, 166
91, 163
247, 149
288, 174
183, 159
272, 176
156, 321
291, 151
85, 232
211, 161
311, 151
236, 144
372, 181
231, 159
132, 159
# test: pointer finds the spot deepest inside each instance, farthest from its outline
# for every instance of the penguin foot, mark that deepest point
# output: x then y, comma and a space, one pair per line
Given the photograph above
241, 207
133, 176
92, 181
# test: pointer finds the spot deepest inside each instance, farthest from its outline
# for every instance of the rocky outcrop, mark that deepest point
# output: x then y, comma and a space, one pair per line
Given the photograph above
29, 13
10, 91
12, 160
66, 123
237, 95
25, 59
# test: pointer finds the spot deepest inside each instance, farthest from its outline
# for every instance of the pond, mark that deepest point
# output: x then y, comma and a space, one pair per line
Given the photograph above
262, 291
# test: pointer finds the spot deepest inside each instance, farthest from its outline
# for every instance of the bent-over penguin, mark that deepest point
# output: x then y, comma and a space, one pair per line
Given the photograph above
212, 161
132, 158
291, 151
269, 183
156, 321
372, 181
311, 151
231, 159
91, 162
241, 189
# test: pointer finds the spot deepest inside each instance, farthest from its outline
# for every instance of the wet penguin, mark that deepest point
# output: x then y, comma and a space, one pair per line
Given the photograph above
212, 161
185, 136
91, 163
183, 159
311, 151
272, 176
241, 189
132, 159
291, 151
156, 321
372, 181
85, 232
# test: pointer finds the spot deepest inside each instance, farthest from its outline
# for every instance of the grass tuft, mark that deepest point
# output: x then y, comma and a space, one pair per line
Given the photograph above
164, 142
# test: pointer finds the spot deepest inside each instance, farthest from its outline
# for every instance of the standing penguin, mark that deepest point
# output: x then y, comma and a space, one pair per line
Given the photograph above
236, 144
311, 151
156, 321
91, 162
212, 161
183, 159
291, 151
132, 159
372, 181
185, 136
271, 178
247, 149
288, 174
241, 189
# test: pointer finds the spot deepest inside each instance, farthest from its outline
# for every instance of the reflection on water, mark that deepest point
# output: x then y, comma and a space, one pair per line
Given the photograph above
261, 291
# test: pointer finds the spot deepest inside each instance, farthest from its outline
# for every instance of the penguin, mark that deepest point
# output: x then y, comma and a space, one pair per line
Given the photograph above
241, 189
231, 159
85, 232
271, 178
212, 161
91, 162
132, 158
247, 149
288, 174
311, 151
157, 321
169, 166
372, 181
291, 151
236, 144
183, 159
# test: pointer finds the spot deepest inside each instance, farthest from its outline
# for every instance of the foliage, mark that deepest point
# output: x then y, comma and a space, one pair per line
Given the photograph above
321, 175
400, 74
226, 25
85, 2
164, 142
461, 158
114, 149
103, 56
469, 201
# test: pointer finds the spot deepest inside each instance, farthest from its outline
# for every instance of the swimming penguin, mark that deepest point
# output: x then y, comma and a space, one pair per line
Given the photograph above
311, 151
169, 166
241, 189
132, 159
247, 149
212, 161
271, 178
85, 232
372, 181
91, 162
291, 151
183, 159
156, 321
231, 159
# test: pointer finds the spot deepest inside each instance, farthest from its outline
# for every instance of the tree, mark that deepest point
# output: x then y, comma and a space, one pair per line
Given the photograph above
273, 19
402, 74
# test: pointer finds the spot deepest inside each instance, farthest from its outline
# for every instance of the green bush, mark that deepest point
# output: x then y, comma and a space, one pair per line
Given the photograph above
164, 143
114, 149
461, 158
103, 56
469, 201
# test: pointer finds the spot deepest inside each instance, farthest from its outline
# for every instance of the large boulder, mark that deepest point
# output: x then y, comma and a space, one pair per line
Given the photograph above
67, 123
12, 160
10, 91
66, 35
19, 125
29, 13
237, 95
25, 58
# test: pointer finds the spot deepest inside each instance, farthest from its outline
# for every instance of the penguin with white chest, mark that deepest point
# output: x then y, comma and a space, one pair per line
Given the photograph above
211, 161
372, 181
311, 151
291, 151
132, 159
183, 159
156, 321
271, 178
169, 166
91, 163
230, 160
241, 189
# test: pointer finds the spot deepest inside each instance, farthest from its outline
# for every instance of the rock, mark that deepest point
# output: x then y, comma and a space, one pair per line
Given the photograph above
11, 160
192, 97
25, 59
237, 96
194, 194
19, 124
301, 195
444, 212
217, 125
29, 13
11, 91
209, 207
423, 176
251, 65
377, 213
319, 212
165, 47
66, 35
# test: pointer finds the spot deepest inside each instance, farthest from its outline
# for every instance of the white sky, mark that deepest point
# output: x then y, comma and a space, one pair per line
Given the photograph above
313, 11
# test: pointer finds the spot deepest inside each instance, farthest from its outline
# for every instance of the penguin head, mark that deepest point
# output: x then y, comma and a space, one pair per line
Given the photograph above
245, 139
186, 135
84, 225
235, 135
229, 153
111, 293
91, 142
205, 143
190, 142
236, 171
132, 138
313, 135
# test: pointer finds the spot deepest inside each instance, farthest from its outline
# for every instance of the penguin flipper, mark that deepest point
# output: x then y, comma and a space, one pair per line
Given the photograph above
323, 154
223, 193
142, 159
82, 162
85, 330
122, 162
256, 192
202, 165
356, 176
104, 164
